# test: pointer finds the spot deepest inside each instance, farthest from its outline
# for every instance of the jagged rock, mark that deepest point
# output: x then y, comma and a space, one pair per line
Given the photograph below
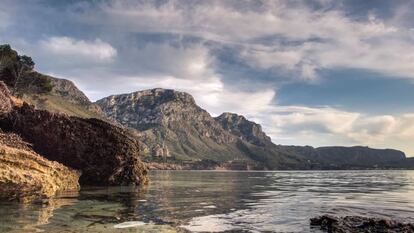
26, 176
356, 224
244, 129
106, 154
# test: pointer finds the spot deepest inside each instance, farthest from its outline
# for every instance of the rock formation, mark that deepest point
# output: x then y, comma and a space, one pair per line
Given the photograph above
356, 224
26, 176
106, 154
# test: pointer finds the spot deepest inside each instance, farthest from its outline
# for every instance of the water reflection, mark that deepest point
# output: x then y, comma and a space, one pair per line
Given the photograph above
180, 201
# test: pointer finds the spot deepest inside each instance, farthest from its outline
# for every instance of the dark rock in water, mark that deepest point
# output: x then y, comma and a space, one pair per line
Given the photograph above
357, 224
106, 154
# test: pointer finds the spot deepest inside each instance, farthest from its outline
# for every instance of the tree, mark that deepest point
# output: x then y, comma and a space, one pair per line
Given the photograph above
13, 67
27, 62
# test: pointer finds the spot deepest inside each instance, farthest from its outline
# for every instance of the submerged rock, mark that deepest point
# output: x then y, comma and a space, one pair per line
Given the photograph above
357, 224
26, 176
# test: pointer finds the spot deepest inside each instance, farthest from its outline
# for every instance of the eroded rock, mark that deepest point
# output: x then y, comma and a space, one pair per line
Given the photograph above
106, 154
26, 176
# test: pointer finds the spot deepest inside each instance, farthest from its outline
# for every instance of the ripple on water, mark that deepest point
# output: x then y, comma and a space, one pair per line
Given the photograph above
219, 201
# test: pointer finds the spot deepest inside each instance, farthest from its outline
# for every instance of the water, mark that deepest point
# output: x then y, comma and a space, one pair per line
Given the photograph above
211, 201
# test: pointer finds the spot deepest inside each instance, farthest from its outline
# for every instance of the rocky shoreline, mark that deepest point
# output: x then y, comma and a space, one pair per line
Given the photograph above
54, 151
357, 224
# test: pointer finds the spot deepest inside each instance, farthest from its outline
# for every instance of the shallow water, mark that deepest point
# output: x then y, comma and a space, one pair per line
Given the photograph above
211, 201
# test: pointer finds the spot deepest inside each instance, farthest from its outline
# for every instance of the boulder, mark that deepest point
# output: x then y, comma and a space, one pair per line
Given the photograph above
106, 154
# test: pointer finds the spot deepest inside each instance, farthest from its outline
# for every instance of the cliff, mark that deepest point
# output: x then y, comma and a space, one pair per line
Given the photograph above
244, 129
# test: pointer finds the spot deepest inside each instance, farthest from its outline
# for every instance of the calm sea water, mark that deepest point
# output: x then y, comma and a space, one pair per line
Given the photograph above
211, 201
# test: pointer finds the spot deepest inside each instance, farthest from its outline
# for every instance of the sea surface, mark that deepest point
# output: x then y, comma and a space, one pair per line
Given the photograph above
213, 201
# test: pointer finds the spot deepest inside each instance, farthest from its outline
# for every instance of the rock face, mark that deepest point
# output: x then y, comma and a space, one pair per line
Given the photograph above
154, 108
106, 154
356, 224
168, 120
26, 176
244, 129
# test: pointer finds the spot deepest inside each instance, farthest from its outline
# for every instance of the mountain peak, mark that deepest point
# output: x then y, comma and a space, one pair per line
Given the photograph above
155, 96
244, 129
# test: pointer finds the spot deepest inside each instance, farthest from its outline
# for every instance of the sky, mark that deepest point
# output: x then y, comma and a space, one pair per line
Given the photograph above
314, 72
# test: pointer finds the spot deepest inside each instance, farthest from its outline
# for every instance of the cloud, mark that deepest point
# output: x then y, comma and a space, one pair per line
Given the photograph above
315, 39
138, 45
325, 125
65, 47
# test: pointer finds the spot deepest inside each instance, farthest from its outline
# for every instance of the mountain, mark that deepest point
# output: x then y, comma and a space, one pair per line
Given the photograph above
171, 124
349, 157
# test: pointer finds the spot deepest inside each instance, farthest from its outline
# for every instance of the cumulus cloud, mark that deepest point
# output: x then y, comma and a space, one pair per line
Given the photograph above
322, 126
67, 47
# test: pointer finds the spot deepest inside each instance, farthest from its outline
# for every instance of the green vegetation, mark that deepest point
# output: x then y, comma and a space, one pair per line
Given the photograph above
17, 72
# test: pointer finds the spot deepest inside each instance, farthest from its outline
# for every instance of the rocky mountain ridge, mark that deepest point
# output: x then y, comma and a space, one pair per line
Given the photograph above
169, 121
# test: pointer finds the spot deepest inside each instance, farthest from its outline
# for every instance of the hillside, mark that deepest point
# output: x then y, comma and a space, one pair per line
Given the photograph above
43, 91
64, 97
